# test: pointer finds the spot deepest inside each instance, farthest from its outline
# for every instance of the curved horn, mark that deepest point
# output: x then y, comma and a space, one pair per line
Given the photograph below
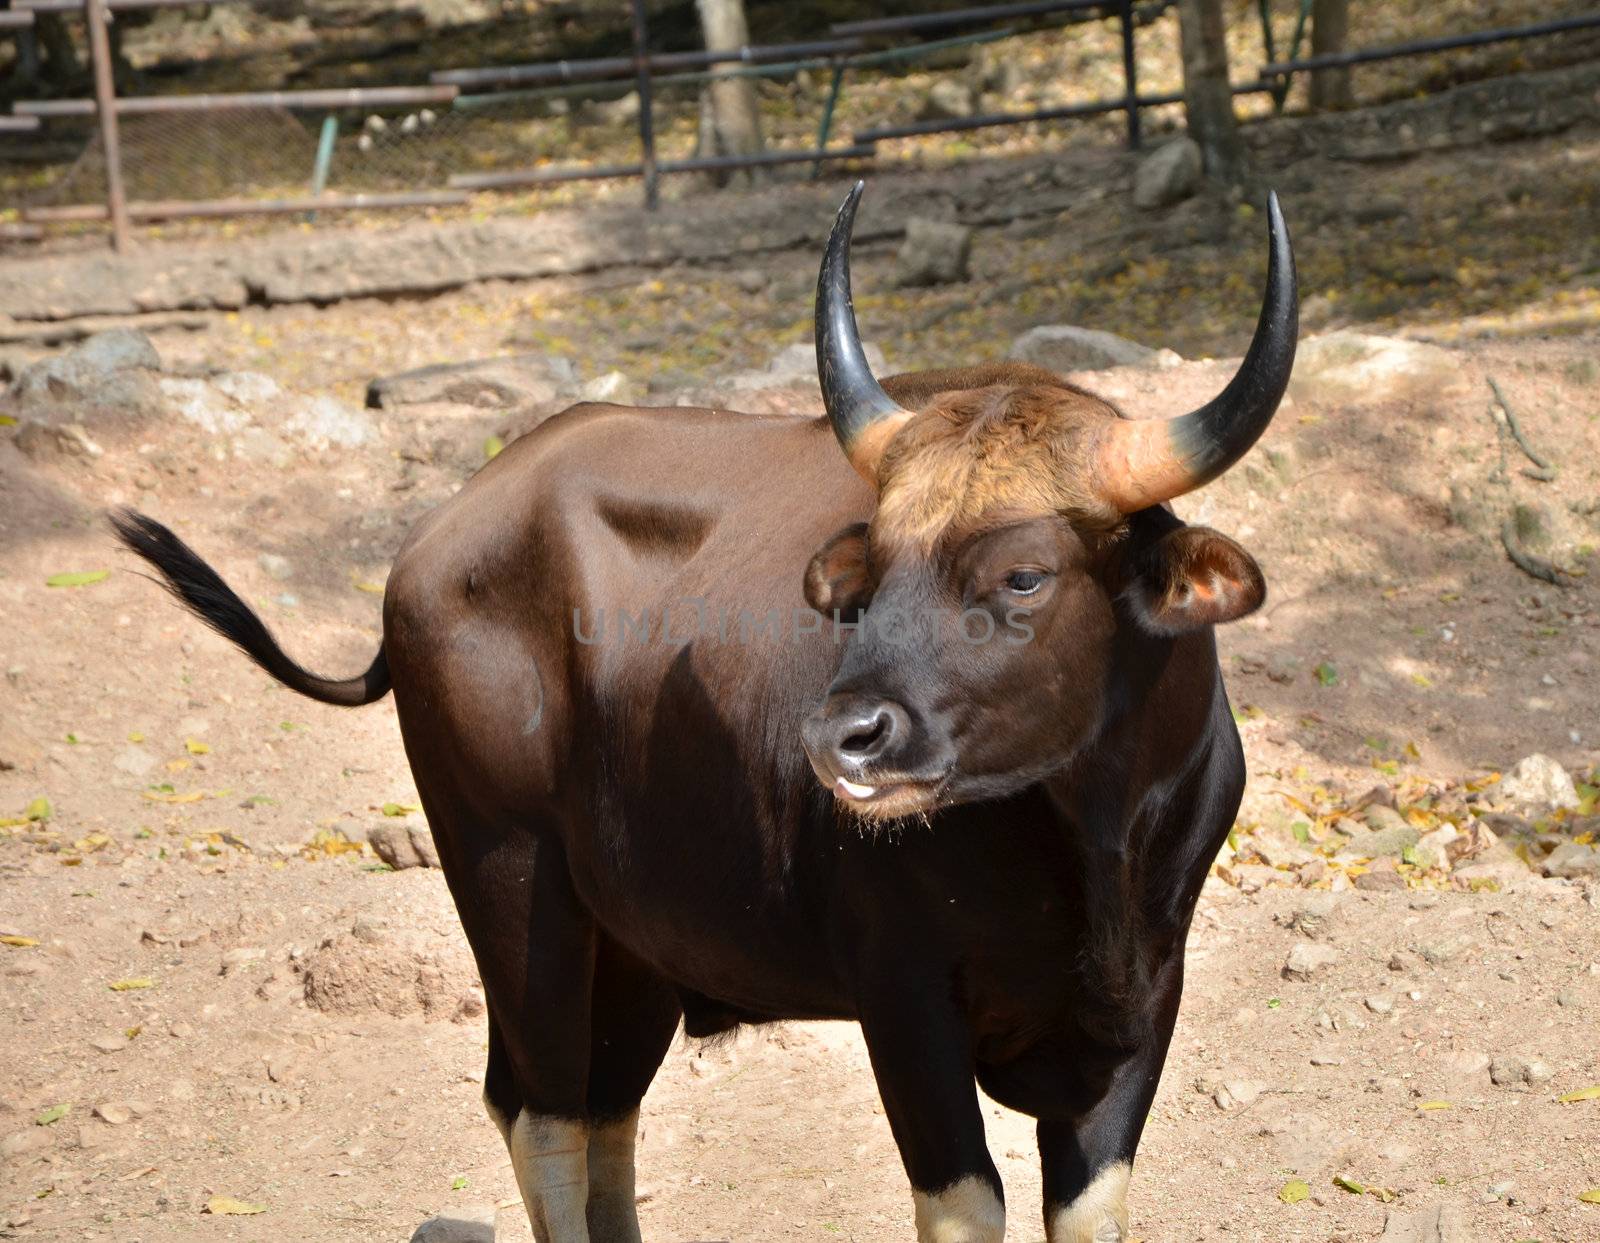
1139, 464
864, 417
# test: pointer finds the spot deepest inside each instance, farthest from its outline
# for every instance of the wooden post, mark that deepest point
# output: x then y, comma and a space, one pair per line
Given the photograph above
105, 100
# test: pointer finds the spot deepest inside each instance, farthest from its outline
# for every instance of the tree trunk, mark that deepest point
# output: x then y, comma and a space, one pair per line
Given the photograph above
1330, 27
1207, 96
62, 66
734, 123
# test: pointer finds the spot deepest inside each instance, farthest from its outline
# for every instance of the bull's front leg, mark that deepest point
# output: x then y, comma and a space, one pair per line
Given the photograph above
922, 1057
1087, 1160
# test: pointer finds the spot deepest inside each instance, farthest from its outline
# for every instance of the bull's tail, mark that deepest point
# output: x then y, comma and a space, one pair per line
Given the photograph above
200, 587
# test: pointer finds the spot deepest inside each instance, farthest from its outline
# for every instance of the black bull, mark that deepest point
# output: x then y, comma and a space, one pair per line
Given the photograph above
1023, 778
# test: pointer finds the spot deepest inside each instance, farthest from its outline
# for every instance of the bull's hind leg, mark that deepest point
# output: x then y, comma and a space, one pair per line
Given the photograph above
535, 947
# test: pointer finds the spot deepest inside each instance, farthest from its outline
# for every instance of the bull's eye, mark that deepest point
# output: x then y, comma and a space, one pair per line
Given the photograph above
1024, 582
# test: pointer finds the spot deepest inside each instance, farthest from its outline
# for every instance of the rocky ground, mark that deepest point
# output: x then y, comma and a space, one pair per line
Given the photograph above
237, 1002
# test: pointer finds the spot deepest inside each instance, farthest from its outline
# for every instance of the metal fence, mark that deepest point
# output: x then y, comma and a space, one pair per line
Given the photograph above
465, 131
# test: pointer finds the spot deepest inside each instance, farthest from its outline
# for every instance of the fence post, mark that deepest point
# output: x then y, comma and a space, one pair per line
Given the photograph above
105, 102
647, 132
1130, 75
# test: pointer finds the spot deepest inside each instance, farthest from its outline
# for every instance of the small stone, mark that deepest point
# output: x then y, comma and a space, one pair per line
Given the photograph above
56, 440
472, 1005
114, 1112
1233, 1095
1307, 959
1389, 842
115, 1042
179, 1030
935, 252
1567, 998
467, 1224
392, 843
1573, 861
1509, 1072
1379, 1004
948, 99
1067, 347
1380, 880
750, 280
280, 568
1169, 174
237, 959
1538, 781
613, 386
1359, 369
1440, 1223
1326, 1059
372, 931
21, 1144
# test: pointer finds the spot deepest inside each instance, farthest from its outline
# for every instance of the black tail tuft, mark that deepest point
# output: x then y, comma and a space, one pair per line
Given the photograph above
201, 588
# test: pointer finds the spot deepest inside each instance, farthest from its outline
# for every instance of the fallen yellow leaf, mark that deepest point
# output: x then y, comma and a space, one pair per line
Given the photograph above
128, 986
21, 943
1582, 1094
1428, 1105
196, 747
227, 1206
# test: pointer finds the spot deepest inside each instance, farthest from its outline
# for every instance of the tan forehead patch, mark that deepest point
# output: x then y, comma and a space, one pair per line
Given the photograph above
1000, 449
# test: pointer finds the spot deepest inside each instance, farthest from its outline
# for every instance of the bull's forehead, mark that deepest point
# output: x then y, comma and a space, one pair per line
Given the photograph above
974, 458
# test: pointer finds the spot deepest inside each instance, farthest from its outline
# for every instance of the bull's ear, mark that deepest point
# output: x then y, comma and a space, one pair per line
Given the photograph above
837, 580
1192, 577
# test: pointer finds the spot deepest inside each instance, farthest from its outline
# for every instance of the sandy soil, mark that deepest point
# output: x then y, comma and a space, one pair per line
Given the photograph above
309, 1039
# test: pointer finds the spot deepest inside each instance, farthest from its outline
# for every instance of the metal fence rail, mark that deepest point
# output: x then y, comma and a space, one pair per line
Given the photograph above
1422, 47
433, 182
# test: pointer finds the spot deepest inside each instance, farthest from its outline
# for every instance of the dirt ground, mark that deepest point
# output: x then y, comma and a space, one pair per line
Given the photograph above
218, 991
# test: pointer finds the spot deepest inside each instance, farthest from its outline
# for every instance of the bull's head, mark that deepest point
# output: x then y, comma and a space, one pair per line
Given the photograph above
1019, 529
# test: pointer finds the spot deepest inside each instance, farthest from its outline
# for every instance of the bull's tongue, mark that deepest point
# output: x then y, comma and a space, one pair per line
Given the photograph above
852, 790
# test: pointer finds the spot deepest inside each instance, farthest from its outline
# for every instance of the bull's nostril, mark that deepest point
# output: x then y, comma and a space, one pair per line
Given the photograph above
868, 738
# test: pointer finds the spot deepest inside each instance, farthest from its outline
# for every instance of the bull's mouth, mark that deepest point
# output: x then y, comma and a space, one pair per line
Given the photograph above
888, 797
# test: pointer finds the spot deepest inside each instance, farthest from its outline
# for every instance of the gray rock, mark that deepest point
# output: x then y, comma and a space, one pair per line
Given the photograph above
1307, 959
949, 99
488, 383
1347, 367
280, 568
259, 417
1234, 1095
1380, 816
1573, 861
934, 252
111, 371
1279, 850
467, 1224
799, 362
1380, 880
1441, 1223
612, 386
1386, 843
1508, 1071
80, 368
1066, 347
1537, 781
1169, 174
404, 846
47, 441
